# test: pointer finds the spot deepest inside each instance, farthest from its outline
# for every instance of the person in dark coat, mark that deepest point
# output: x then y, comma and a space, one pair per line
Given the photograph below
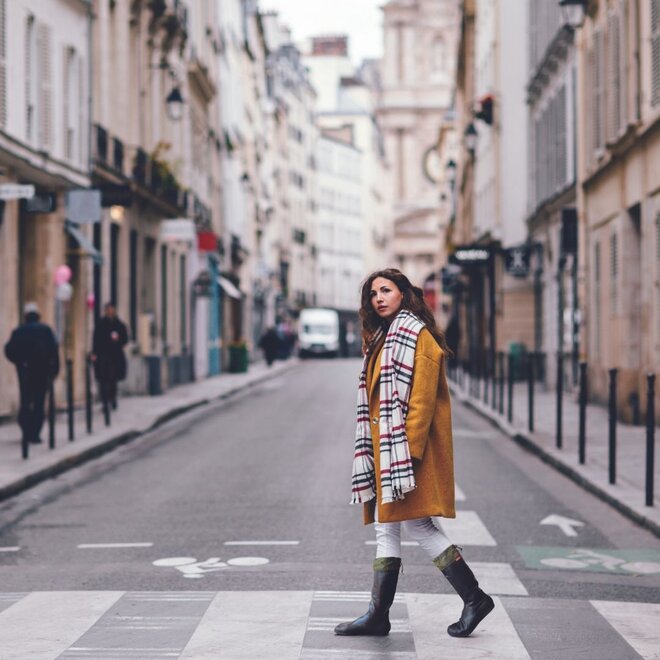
33, 349
110, 337
269, 344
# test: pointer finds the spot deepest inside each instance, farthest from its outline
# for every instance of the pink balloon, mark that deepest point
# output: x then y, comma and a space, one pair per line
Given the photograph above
62, 274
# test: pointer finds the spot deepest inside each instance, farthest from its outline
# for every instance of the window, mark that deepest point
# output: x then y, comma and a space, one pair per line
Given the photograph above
614, 57
655, 52
30, 78
45, 92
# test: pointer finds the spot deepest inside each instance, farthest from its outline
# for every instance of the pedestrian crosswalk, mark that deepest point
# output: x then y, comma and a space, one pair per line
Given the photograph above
298, 625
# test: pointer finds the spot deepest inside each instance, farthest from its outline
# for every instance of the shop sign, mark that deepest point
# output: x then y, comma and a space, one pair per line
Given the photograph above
178, 229
472, 255
16, 191
516, 260
83, 207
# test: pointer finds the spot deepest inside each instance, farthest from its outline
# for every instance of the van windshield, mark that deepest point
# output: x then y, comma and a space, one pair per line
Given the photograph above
317, 329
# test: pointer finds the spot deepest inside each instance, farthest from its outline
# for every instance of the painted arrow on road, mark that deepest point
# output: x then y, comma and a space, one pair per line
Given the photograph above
565, 524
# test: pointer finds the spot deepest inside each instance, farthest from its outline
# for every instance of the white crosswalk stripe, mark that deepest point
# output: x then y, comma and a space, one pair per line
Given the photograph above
287, 625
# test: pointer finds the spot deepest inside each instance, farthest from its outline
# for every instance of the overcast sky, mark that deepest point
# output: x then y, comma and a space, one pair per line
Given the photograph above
360, 19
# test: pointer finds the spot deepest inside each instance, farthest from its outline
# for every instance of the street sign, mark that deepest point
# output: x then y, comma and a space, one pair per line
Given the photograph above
16, 191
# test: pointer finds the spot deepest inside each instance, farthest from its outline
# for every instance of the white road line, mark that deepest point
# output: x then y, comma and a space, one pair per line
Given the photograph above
262, 543
466, 529
497, 637
11, 548
637, 623
43, 625
278, 618
406, 543
498, 578
93, 546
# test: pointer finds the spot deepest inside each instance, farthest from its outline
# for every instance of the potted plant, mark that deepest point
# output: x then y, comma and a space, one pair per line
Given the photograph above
238, 356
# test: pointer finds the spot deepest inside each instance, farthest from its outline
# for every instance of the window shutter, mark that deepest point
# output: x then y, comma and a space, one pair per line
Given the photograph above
598, 108
45, 86
3, 66
614, 273
614, 74
83, 109
66, 84
657, 282
30, 107
597, 299
655, 52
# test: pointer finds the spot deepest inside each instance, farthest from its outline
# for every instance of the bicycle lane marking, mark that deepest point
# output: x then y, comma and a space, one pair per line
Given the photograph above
595, 560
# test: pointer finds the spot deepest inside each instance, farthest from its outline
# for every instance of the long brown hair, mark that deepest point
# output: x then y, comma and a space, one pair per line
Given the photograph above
413, 301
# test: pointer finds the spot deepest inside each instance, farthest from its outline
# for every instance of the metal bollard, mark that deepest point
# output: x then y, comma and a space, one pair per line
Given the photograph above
650, 437
69, 396
51, 415
612, 429
560, 396
88, 394
530, 391
500, 359
582, 437
509, 374
493, 398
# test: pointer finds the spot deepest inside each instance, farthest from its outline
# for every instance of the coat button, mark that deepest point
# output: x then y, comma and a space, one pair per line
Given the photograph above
374, 420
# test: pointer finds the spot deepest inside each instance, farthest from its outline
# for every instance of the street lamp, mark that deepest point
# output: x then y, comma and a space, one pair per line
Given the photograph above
470, 138
174, 104
451, 172
573, 12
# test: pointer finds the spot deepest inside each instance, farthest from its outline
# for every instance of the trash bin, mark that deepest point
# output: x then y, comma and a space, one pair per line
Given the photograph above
238, 359
518, 352
154, 386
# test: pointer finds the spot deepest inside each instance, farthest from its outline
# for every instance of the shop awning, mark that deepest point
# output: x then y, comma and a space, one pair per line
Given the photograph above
229, 288
84, 243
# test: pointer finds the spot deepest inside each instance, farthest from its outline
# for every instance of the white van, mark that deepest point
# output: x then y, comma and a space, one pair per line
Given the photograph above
318, 332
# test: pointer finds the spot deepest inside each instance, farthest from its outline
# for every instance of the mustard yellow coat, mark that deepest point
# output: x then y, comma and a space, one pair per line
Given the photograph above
428, 427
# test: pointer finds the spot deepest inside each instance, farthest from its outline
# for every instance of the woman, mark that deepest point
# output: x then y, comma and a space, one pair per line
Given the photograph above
403, 469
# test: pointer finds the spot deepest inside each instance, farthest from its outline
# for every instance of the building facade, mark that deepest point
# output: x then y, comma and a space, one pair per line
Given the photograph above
45, 111
417, 85
619, 177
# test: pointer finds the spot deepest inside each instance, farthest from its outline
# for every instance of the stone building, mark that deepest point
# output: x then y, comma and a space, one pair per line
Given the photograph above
619, 178
417, 75
44, 136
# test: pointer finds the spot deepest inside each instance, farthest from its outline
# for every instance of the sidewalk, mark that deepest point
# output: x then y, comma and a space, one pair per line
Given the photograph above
627, 495
135, 416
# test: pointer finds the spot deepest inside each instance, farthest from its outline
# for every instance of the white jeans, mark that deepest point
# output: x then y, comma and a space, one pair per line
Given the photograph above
422, 530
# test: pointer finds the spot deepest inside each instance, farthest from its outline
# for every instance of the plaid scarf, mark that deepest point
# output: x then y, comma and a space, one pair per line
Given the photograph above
396, 371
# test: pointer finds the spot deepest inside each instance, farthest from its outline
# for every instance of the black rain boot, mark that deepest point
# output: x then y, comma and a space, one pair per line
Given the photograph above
376, 621
477, 604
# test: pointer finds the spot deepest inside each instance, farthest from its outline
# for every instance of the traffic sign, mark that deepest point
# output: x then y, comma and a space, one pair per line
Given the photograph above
16, 191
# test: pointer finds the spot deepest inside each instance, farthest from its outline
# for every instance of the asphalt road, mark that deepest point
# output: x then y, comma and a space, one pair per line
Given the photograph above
272, 466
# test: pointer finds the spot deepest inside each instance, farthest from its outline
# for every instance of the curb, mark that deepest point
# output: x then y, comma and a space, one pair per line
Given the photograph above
529, 445
70, 462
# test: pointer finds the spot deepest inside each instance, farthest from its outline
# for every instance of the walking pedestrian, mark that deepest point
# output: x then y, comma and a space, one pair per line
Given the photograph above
269, 344
403, 471
110, 337
33, 349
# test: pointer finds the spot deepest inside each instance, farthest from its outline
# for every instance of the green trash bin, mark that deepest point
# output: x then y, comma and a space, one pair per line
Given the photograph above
238, 359
518, 353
